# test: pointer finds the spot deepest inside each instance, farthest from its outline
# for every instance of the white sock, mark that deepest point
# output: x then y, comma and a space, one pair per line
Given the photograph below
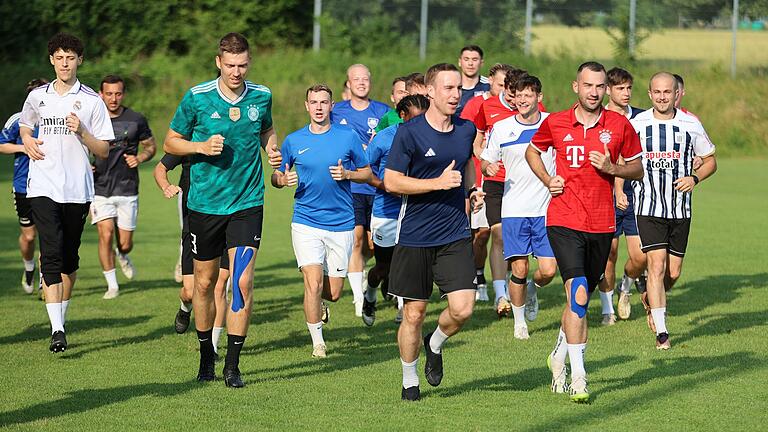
500, 288
626, 283
64, 307
370, 294
356, 282
399, 303
54, 315
606, 299
660, 319
561, 348
437, 340
316, 331
111, 278
29, 265
410, 376
186, 306
215, 336
518, 312
576, 354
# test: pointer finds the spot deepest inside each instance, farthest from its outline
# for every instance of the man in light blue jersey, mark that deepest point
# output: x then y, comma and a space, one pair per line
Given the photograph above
362, 115
327, 160
222, 123
386, 207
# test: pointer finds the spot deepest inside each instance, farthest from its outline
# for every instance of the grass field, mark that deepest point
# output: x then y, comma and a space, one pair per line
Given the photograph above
126, 369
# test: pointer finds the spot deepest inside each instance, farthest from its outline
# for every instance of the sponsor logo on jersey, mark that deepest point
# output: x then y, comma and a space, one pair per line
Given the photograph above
343, 121
430, 153
303, 150
234, 114
41, 104
215, 115
253, 113
605, 136
568, 138
574, 155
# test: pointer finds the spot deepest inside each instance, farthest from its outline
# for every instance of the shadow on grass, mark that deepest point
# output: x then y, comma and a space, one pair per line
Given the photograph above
721, 324
77, 350
697, 295
85, 400
43, 331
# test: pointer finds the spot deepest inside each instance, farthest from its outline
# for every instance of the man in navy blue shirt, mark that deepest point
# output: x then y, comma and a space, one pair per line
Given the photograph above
10, 143
362, 115
327, 159
430, 165
472, 83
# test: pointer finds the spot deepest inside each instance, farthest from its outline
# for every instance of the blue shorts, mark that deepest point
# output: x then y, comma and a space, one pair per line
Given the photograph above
363, 208
524, 236
625, 221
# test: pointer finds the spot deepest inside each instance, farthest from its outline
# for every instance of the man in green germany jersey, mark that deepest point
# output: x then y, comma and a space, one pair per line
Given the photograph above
392, 117
222, 123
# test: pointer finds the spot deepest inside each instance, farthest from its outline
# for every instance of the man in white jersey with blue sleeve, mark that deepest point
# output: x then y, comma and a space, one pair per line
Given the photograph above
524, 203
73, 122
670, 140
324, 157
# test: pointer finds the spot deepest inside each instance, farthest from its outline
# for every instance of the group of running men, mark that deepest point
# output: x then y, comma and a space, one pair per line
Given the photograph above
398, 184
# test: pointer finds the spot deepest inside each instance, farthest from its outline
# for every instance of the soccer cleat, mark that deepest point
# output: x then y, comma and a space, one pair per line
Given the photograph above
58, 342
521, 332
399, 316
206, 371
625, 307
411, 394
369, 312
609, 319
559, 375
531, 302
326, 316
319, 351
358, 308
126, 266
232, 377
662, 341
503, 307
110, 294
641, 283
579, 391
177, 276
182, 321
433, 367
482, 293
26, 283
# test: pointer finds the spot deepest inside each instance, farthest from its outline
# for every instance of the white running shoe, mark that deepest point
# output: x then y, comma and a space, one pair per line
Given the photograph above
521, 332
125, 264
319, 351
28, 288
579, 391
482, 293
559, 375
110, 294
531, 302
625, 307
609, 319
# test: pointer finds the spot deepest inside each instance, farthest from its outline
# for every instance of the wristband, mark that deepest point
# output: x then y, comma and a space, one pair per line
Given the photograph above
695, 179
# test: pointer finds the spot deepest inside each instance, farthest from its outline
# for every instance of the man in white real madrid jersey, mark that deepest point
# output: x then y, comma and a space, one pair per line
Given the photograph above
670, 140
72, 121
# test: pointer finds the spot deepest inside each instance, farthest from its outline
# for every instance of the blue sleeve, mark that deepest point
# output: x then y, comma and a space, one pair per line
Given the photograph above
287, 154
374, 150
357, 154
11, 134
401, 153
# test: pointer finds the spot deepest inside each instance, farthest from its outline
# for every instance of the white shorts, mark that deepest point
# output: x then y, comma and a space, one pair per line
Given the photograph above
124, 208
330, 249
383, 231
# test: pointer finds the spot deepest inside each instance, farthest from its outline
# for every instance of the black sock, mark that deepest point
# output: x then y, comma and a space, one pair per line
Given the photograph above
29, 275
206, 345
480, 273
234, 345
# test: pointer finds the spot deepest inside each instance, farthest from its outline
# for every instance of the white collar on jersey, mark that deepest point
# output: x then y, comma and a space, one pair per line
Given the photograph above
74, 89
504, 102
226, 99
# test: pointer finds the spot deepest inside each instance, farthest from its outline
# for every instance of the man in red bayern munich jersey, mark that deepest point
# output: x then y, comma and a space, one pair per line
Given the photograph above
588, 140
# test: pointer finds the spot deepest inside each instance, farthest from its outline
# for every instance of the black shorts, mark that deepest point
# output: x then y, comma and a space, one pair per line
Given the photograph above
363, 209
580, 253
187, 260
415, 269
661, 233
59, 228
383, 254
23, 209
494, 192
210, 234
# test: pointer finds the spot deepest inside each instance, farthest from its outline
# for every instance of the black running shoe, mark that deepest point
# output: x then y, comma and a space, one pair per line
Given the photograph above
326, 316
411, 394
232, 378
206, 372
640, 283
182, 321
369, 312
58, 342
433, 367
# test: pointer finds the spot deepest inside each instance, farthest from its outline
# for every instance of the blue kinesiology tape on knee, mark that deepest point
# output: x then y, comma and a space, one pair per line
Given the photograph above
243, 256
578, 309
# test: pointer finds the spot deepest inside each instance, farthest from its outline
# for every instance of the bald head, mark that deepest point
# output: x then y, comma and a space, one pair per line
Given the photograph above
663, 79
663, 91
359, 81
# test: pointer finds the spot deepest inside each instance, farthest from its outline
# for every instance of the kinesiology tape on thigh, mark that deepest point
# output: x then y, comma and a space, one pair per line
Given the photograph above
243, 256
579, 309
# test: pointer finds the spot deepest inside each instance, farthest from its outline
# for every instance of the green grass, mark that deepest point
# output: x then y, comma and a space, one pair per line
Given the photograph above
126, 369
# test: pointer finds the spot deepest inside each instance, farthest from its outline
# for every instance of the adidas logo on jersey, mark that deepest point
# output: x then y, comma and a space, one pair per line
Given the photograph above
568, 138
215, 115
343, 121
430, 153
41, 104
